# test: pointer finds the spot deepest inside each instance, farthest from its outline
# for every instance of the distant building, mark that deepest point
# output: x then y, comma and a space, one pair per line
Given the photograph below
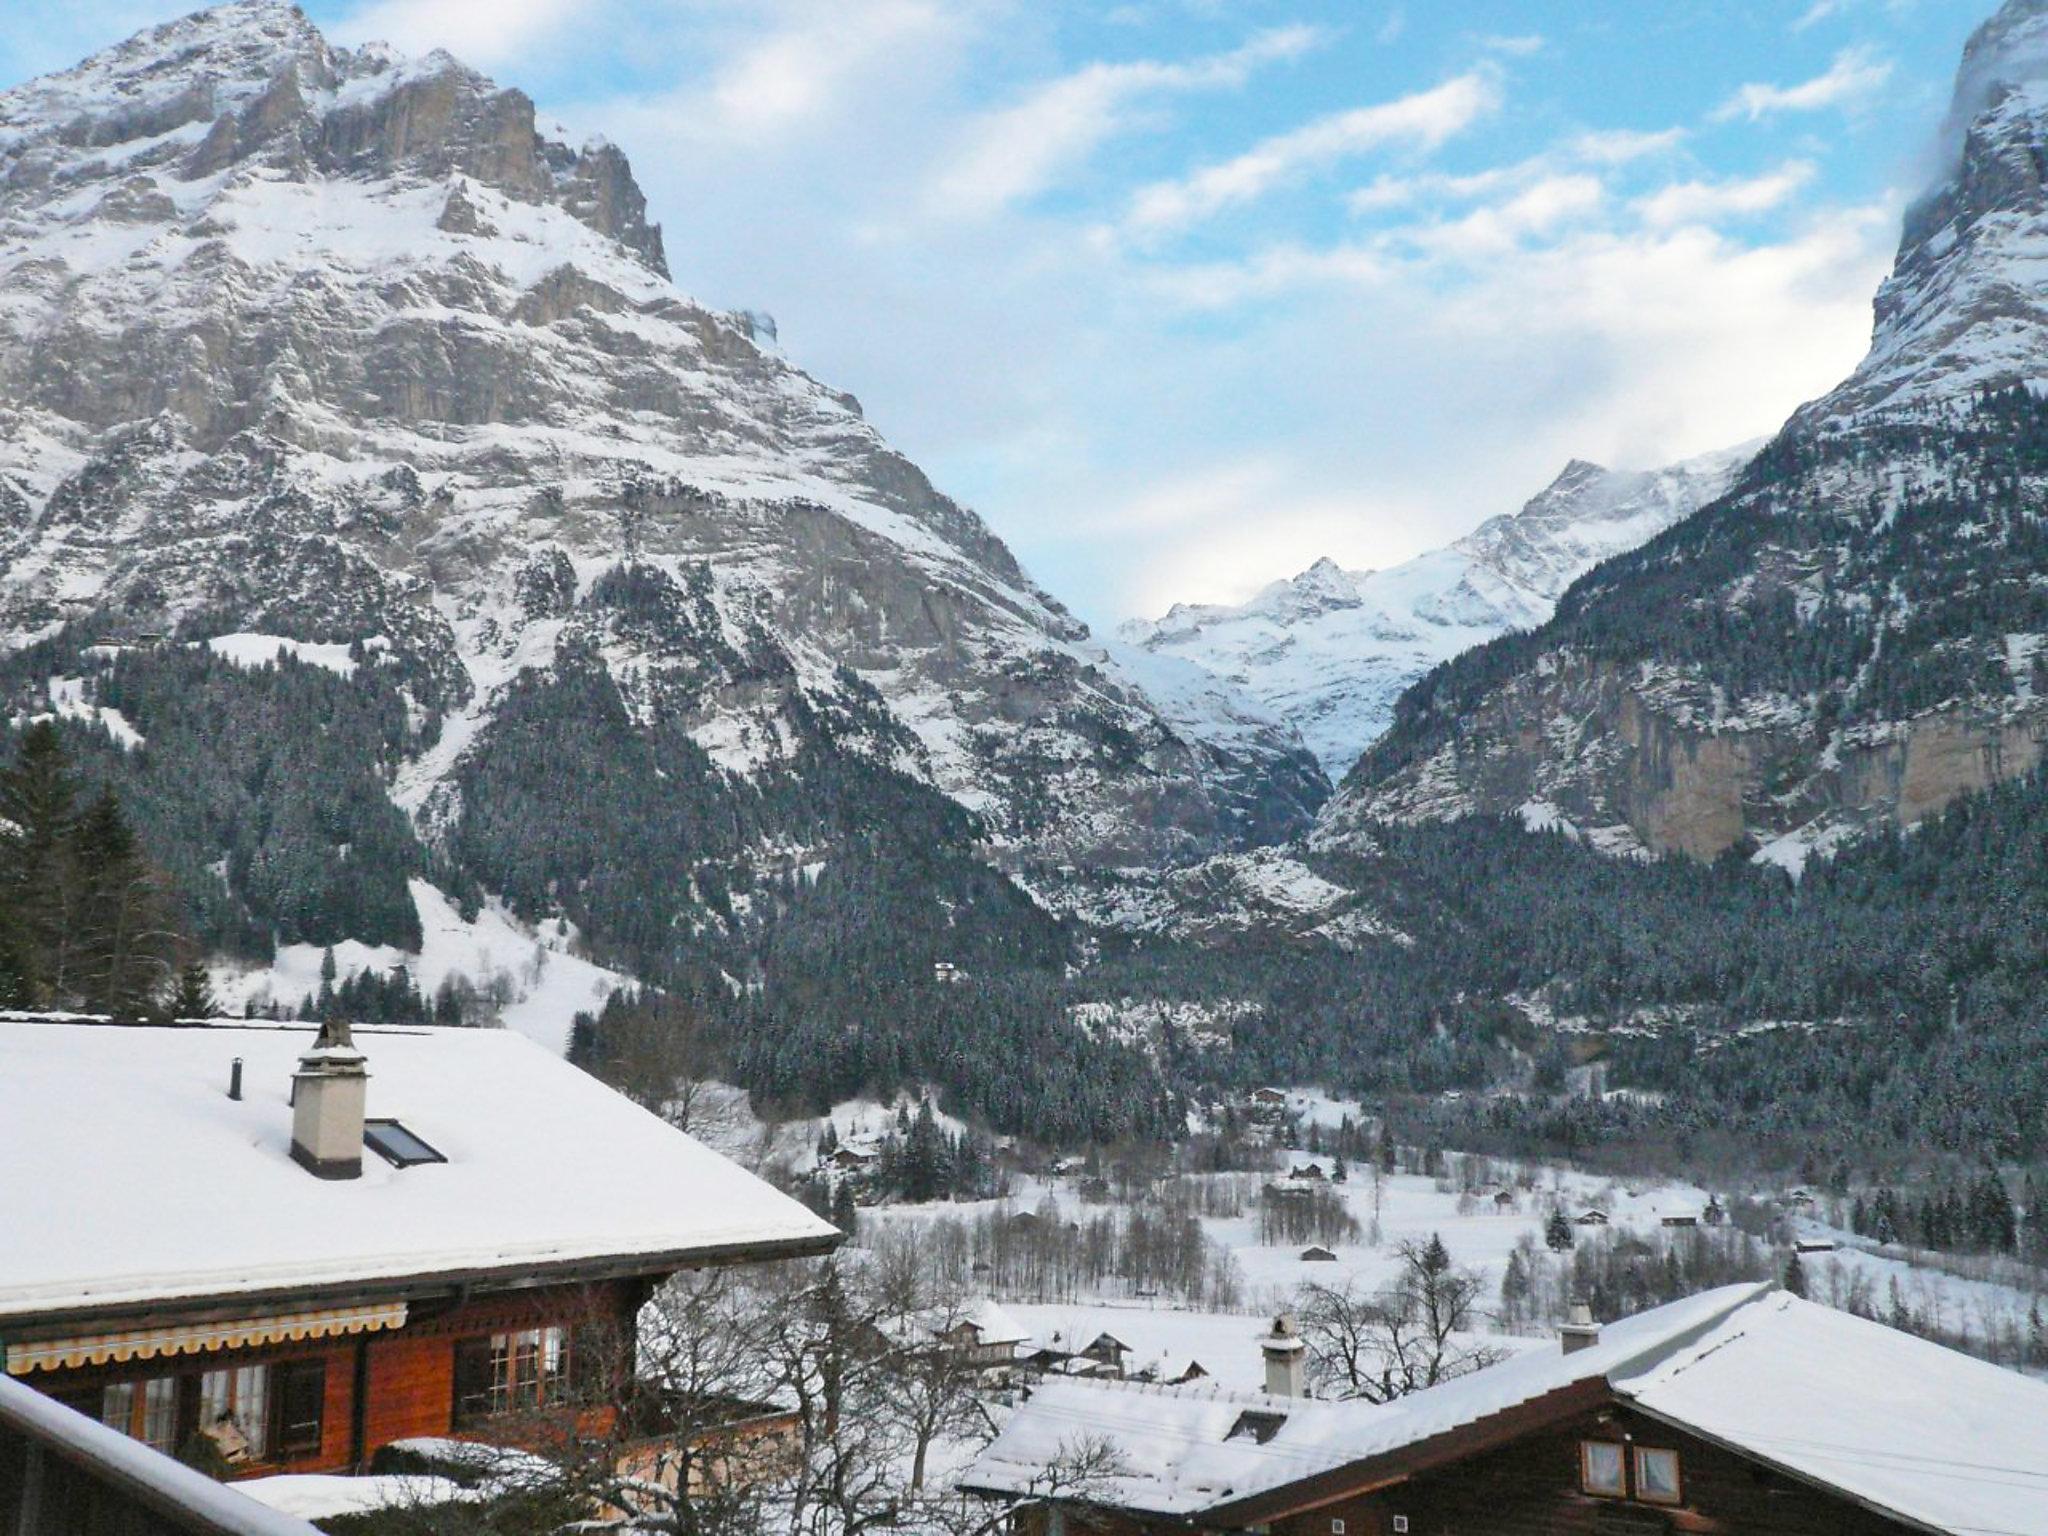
1681, 1219
1317, 1255
1590, 1218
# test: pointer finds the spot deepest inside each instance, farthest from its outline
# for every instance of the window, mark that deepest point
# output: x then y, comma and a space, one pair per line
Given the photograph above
1602, 1470
1656, 1475
396, 1145
234, 1411
146, 1410
511, 1373
300, 1390
1256, 1426
1336, 1528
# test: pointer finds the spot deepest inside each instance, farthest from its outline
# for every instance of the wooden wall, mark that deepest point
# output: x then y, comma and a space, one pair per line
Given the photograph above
1531, 1488
410, 1372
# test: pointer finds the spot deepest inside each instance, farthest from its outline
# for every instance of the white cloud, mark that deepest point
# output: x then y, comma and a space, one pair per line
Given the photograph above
1019, 151
484, 33
1854, 75
1818, 12
1423, 121
1518, 46
1620, 146
1393, 26
1704, 202
795, 72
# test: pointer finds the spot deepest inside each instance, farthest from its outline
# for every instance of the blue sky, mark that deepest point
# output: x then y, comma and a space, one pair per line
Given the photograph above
1183, 294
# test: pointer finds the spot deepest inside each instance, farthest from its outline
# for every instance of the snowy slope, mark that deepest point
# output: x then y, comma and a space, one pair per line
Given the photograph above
1330, 650
346, 354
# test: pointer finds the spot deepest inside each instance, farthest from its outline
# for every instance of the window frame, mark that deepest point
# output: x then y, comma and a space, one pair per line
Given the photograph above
245, 1397
285, 1444
513, 1371
1677, 1493
428, 1153
1587, 1485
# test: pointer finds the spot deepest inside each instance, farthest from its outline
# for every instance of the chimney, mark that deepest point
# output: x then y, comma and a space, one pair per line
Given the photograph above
328, 1093
1285, 1354
1581, 1332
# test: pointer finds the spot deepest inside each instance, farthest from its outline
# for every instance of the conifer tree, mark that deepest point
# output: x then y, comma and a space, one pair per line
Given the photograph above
1795, 1274
1557, 1233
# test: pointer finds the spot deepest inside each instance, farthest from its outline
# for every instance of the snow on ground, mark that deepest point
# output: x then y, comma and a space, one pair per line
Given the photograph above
318, 1496
68, 701
254, 650
527, 977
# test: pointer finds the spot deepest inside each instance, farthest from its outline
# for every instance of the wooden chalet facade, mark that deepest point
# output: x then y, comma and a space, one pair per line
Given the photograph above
245, 1295
1740, 1413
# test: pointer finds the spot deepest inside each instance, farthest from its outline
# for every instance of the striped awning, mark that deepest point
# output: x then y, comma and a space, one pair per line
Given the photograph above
199, 1338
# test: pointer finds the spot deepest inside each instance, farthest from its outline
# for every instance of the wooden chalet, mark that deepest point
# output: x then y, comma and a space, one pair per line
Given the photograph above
303, 1250
1739, 1411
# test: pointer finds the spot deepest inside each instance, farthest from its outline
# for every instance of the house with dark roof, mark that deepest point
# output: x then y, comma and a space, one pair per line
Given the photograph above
1741, 1409
301, 1249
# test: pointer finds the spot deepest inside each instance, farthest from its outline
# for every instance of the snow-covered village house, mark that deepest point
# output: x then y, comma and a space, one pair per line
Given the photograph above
303, 1250
1741, 1410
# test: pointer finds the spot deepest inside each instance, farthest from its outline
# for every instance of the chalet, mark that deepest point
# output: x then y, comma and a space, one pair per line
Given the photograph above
984, 1336
1590, 1218
1814, 1245
1317, 1255
1268, 1098
1504, 1200
1741, 1409
304, 1249
1312, 1173
1681, 1219
848, 1159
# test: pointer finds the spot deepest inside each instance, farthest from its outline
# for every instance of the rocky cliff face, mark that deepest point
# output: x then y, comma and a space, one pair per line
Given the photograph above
1331, 650
348, 349
1853, 635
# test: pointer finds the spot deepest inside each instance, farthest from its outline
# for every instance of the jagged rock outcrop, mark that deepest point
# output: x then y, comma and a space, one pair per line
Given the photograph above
1853, 635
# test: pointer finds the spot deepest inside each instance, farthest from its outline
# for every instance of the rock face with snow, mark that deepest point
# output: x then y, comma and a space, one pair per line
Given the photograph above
347, 349
1330, 650
1854, 635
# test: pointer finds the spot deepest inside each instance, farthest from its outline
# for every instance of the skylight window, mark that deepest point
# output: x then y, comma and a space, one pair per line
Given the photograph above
1255, 1426
396, 1145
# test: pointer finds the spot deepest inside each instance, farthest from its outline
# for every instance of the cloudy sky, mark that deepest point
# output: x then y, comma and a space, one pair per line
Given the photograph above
1183, 294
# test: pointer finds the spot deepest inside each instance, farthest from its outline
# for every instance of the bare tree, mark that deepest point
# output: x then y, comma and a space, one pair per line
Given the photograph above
1386, 1344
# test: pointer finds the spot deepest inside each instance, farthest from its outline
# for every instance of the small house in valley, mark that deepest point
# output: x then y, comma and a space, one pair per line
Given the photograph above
301, 1249
1741, 1409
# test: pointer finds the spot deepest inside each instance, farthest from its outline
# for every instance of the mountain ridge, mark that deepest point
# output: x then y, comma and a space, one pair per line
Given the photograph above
1332, 649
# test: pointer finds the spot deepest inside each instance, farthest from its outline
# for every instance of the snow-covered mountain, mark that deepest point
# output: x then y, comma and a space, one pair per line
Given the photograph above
345, 347
1330, 650
1858, 633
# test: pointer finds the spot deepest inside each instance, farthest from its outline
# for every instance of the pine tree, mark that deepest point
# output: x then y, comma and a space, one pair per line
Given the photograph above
194, 998
1795, 1274
845, 1214
1557, 1233
121, 942
39, 805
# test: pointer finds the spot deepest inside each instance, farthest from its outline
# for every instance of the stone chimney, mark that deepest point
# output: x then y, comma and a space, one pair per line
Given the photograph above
1581, 1332
1286, 1356
328, 1100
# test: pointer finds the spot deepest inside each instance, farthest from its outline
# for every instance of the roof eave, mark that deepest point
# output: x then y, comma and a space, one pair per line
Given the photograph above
526, 1275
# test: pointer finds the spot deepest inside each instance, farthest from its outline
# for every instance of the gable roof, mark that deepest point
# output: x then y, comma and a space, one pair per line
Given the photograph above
1899, 1424
145, 1184
1907, 1427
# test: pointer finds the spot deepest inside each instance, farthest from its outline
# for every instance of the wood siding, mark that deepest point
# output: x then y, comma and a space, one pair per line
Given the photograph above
409, 1372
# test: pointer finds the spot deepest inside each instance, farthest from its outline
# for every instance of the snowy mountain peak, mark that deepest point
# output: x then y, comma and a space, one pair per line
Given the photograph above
340, 348
1331, 649
1963, 309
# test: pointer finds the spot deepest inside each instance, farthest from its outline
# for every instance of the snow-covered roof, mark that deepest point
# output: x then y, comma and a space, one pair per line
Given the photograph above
1914, 1429
134, 1178
993, 1325
1900, 1424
